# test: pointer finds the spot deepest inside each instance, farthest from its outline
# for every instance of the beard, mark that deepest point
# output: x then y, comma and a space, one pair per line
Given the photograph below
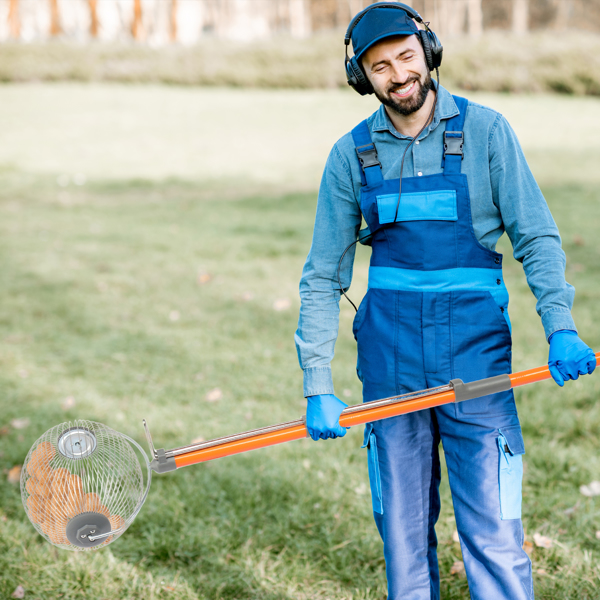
410, 105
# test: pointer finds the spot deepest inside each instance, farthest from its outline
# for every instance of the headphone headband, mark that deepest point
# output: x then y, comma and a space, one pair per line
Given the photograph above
411, 12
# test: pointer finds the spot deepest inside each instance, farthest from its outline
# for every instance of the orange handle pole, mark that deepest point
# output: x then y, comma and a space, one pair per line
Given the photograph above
347, 419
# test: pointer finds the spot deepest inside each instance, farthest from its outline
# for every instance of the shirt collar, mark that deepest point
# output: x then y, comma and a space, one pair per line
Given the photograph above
446, 108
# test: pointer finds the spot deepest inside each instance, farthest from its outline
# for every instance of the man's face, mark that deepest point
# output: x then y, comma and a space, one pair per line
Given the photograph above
397, 71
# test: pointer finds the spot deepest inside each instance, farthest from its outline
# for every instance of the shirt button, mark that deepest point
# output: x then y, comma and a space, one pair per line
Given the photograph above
417, 143
419, 173
498, 281
497, 261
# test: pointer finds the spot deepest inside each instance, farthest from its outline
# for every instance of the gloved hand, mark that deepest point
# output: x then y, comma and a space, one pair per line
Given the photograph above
322, 417
569, 356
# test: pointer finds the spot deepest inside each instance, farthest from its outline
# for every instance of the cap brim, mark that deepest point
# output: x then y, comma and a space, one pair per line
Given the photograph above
403, 33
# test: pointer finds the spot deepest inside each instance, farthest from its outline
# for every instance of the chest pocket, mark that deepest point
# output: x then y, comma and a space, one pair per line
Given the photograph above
438, 205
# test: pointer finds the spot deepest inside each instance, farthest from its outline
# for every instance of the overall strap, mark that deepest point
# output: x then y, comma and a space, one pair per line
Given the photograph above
370, 167
454, 138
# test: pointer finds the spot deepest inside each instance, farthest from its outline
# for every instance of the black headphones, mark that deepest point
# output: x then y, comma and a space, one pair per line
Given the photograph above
432, 47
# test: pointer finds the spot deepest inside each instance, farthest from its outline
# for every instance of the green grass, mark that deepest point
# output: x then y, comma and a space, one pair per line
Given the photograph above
91, 278
565, 63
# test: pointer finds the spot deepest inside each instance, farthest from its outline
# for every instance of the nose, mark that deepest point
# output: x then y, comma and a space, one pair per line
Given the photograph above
400, 75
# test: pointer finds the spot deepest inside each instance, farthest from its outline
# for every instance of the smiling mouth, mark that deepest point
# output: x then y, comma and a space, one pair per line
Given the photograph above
404, 91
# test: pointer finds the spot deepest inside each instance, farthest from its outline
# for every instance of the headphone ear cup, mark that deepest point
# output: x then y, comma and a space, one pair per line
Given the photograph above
357, 79
432, 48
425, 42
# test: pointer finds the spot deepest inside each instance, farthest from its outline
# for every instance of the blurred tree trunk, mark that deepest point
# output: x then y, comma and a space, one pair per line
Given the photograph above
563, 14
299, 18
14, 22
173, 21
520, 16
94, 23
137, 28
475, 18
55, 28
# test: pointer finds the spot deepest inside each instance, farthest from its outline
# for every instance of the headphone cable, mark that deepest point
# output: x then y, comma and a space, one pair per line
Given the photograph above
414, 139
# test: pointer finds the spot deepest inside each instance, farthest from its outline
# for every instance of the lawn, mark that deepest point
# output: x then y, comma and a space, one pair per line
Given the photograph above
152, 240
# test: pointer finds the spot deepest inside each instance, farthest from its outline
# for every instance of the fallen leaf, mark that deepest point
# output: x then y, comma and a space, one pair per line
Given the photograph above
4, 430
361, 490
204, 277
282, 304
306, 464
591, 489
347, 393
20, 423
14, 475
214, 395
528, 547
68, 403
198, 440
542, 572
247, 296
455, 537
19, 592
541, 541
174, 315
458, 568
168, 588
598, 535
578, 240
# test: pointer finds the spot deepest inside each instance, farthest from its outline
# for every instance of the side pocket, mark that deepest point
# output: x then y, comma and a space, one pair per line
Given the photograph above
370, 442
510, 471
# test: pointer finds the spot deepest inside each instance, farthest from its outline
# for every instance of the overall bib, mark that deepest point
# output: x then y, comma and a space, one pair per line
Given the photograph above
435, 310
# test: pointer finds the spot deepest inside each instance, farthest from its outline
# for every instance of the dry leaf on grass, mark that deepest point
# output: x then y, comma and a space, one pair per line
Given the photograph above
19, 592
198, 440
458, 568
347, 393
20, 423
541, 541
455, 537
174, 316
591, 489
204, 277
68, 403
214, 395
528, 547
598, 535
282, 304
14, 475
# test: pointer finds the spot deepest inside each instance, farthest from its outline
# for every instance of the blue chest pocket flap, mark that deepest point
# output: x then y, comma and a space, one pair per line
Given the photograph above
438, 205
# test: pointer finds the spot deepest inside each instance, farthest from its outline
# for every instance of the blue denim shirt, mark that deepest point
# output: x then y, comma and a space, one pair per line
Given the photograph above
504, 197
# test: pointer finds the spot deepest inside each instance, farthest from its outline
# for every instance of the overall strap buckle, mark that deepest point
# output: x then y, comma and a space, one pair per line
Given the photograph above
453, 143
367, 156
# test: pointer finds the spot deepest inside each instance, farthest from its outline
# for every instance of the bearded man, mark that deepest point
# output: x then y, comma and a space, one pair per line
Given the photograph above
438, 179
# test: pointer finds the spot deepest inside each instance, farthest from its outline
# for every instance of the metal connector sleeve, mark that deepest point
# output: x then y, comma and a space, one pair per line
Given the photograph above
476, 389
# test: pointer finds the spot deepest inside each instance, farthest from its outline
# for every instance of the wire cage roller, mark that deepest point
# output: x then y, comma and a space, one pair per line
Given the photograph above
82, 484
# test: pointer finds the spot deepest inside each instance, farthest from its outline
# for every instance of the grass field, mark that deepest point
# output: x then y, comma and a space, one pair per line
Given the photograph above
152, 240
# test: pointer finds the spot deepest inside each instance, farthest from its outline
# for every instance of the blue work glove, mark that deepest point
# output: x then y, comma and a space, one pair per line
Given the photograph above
569, 356
322, 417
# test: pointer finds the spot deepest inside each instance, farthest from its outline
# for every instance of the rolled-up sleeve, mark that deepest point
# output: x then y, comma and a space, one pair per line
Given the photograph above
531, 228
337, 223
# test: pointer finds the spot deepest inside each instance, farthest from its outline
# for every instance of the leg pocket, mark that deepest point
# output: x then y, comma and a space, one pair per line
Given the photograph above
370, 442
510, 471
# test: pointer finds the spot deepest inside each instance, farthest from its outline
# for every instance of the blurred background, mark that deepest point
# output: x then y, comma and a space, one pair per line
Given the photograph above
159, 167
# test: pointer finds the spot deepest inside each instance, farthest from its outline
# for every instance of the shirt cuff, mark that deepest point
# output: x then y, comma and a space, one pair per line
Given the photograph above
555, 320
317, 380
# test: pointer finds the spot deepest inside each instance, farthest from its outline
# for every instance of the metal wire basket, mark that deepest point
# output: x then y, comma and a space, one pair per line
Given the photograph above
82, 485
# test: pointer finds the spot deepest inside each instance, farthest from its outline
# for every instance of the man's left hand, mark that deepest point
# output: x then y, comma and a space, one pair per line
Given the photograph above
569, 356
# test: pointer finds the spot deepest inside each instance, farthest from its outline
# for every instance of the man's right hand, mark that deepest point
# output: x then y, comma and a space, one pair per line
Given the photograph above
322, 417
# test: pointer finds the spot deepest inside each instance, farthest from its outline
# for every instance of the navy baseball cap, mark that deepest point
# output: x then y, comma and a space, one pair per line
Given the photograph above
378, 24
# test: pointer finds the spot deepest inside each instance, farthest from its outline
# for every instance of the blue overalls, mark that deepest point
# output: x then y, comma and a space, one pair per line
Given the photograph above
436, 310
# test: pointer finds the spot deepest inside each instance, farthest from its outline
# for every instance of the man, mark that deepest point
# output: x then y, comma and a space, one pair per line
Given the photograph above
436, 307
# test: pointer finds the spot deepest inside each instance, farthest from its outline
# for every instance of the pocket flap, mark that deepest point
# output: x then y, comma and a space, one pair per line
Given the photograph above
438, 205
514, 439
